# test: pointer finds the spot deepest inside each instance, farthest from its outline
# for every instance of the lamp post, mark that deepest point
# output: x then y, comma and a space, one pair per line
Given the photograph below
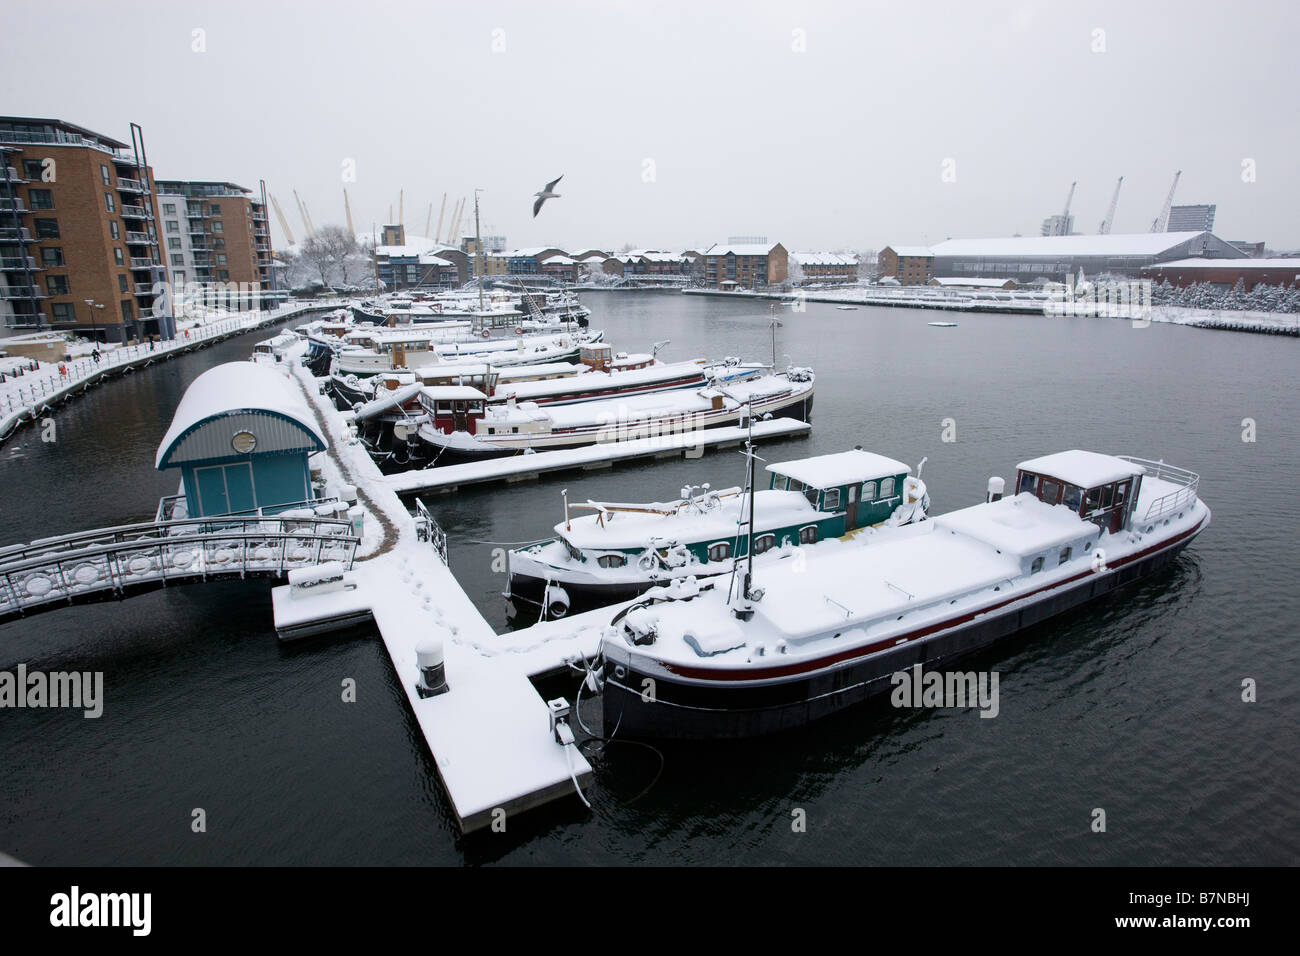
94, 324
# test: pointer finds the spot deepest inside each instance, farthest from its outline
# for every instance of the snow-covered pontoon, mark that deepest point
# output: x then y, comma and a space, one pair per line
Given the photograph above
734, 657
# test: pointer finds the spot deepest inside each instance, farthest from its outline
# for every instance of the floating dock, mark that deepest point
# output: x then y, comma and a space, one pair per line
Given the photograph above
448, 478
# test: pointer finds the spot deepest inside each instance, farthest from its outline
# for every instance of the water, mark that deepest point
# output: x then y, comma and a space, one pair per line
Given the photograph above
1132, 705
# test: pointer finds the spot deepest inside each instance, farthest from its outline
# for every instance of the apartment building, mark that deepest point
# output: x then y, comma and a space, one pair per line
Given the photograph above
910, 265
821, 267
78, 232
214, 233
745, 265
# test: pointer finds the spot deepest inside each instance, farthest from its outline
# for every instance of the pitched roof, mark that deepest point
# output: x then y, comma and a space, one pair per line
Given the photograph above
1112, 245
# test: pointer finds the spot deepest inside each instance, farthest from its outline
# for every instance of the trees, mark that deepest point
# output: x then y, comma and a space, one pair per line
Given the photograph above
328, 252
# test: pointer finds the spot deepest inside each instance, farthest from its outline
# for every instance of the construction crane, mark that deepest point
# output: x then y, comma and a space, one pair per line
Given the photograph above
428, 222
284, 223
1104, 228
348, 210
1060, 225
302, 212
1161, 222
401, 207
1065, 216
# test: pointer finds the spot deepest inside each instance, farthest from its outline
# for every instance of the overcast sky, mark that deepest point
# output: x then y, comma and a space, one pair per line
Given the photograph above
822, 126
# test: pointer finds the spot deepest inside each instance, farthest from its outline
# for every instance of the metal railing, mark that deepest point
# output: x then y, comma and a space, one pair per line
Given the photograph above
427, 529
1188, 481
143, 556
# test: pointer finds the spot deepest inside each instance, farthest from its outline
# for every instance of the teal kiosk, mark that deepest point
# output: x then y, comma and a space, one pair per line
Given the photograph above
241, 437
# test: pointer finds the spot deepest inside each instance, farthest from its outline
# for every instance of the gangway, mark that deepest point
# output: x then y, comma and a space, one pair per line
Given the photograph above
120, 562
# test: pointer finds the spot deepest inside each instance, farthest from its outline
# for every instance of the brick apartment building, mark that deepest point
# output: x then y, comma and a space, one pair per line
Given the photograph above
910, 265
215, 232
78, 221
826, 266
745, 265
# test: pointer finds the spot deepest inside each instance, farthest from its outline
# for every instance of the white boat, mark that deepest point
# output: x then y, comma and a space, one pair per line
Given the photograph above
803, 639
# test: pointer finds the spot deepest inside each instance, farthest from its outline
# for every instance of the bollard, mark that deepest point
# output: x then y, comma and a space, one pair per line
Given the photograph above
433, 673
996, 488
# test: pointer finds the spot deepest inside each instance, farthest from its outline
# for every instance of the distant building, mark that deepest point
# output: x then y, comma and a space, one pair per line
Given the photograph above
524, 262
948, 282
78, 220
215, 232
1226, 272
747, 241
910, 265
1058, 225
744, 266
1191, 219
563, 268
420, 264
1026, 258
1253, 249
826, 266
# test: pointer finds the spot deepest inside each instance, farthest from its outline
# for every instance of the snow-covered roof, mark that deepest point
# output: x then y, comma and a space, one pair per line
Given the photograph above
1087, 469
911, 251
973, 283
429, 259
740, 249
529, 253
1019, 525
453, 392
824, 259
1115, 245
558, 261
233, 388
840, 468
1286, 263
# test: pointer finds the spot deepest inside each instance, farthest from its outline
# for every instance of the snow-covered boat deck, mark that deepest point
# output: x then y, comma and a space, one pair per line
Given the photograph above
448, 478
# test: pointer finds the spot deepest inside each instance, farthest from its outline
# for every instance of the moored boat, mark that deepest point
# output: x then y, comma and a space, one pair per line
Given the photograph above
707, 660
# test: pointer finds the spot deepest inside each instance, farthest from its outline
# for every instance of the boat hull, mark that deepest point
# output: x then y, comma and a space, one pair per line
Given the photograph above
686, 707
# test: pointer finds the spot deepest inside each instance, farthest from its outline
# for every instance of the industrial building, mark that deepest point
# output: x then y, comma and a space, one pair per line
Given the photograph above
1226, 273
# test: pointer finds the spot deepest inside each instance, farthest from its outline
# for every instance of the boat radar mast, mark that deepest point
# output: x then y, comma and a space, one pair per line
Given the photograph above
743, 607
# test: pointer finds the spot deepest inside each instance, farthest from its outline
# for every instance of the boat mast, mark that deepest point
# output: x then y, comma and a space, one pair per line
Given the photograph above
743, 608
478, 249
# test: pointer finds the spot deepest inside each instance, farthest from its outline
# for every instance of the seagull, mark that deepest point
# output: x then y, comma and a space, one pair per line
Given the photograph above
545, 194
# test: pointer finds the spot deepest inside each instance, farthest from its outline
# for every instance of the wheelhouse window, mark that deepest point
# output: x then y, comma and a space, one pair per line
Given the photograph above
1028, 484
1066, 554
1093, 501
720, 551
611, 560
1121, 494
1073, 497
1049, 491
831, 499
868, 491
808, 535
887, 487
1037, 565
764, 542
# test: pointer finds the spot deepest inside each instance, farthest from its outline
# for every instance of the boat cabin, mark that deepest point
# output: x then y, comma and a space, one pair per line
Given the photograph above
865, 486
241, 437
1099, 488
453, 408
597, 356
482, 377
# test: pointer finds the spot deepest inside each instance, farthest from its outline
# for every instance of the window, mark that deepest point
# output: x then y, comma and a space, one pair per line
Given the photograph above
1049, 491
47, 228
764, 542
216, 226
117, 256
128, 310
173, 243
63, 312
221, 259
33, 169
868, 491
808, 535
169, 209
56, 285
173, 225
886, 487
831, 499
121, 282
51, 257
1121, 494
113, 231
178, 278
177, 259
1073, 497
720, 551
611, 560
218, 243
1093, 500
1107, 494
103, 174
1066, 554
40, 198
224, 276
214, 209
1037, 565
1028, 484
110, 203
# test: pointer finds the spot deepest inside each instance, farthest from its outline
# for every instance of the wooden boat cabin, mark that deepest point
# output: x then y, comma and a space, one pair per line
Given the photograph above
601, 358
453, 408
865, 486
1099, 488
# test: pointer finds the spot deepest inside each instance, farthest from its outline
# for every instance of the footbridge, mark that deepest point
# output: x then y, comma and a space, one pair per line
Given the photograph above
116, 563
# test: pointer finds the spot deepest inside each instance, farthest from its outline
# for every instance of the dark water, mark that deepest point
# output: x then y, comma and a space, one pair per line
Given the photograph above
1132, 705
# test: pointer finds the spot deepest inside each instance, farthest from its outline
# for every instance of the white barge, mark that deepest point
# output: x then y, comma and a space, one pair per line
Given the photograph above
805, 639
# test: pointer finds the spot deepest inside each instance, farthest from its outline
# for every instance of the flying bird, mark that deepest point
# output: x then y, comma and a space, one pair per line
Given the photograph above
545, 194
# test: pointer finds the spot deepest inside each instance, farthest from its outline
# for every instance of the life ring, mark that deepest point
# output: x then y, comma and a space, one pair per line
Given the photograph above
487, 333
646, 562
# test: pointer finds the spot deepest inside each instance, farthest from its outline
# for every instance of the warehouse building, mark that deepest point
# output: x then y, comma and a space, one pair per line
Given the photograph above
1251, 272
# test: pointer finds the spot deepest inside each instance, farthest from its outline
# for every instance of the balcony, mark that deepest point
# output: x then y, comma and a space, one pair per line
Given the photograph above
10, 206
138, 263
21, 292
26, 320
10, 234
20, 264
130, 185
141, 239
142, 288
134, 212
10, 174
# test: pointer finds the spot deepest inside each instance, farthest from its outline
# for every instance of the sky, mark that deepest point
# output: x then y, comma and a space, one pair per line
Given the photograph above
819, 125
